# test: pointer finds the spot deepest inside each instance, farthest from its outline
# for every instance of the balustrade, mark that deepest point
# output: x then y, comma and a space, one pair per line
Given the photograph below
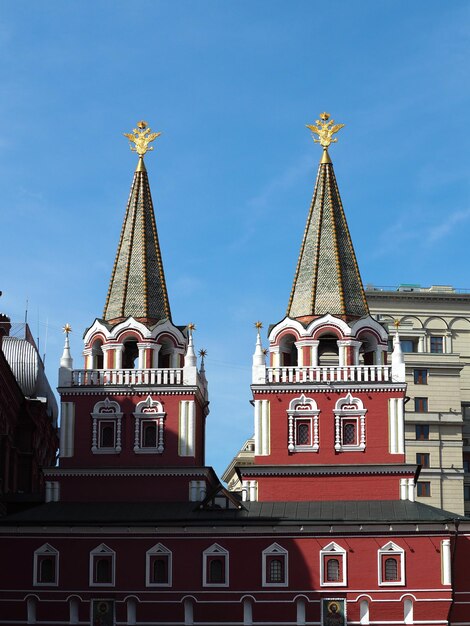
104, 377
329, 374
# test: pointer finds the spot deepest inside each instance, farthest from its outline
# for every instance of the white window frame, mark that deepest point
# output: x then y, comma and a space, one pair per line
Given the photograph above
48, 551
391, 550
158, 550
215, 550
335, 551
100, 551
275, 550
149, 410
303, 409
349, 409
106, 411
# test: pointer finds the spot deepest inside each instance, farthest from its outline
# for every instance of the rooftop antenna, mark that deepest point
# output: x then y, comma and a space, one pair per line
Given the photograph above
45, 343
26, 312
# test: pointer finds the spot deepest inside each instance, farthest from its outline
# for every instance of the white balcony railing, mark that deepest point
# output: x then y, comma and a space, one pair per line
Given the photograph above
325, 374
98, 378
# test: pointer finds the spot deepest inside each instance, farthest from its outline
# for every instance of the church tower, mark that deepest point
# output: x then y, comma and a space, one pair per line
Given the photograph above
328, 407
133, 419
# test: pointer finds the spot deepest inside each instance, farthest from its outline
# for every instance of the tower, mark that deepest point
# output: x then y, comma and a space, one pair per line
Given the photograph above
328, 407
133, 419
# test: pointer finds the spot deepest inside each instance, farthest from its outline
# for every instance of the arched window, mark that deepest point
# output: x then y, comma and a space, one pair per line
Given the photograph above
391, 569
107, 435
102, 566
288, 351
408, 611
349, 433
332, 570
158, 566
215, 566
328, 351
303, 434
97, 355
275, 566
46, 565
130, 354
364, 612
149, 434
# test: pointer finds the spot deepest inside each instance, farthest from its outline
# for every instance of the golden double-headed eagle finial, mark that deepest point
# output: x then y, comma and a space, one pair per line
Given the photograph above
141, 137
325, 130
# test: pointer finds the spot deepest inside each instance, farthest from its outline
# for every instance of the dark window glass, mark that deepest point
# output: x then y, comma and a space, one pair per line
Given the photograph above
391, 569
149, 435
107, 435
424, 489
303, 434
422, 432
275, 571
160, 570
332, 570
130, 354
466, 466
437, 344
421, 405
216, 571
349, 434
466, 493
47, 570
420, 377
422, 458
102, 570
408, 345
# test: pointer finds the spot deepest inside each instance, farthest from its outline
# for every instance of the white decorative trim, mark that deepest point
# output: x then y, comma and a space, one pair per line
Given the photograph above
336, 551
164, 327
215, 550
149, 410
109, 411
275, 550
158, 550
303, 409
102, 550
349, 409
391, 549
45, 550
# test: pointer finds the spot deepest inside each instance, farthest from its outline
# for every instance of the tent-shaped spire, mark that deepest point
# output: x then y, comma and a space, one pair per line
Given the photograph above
137, 287
327, 278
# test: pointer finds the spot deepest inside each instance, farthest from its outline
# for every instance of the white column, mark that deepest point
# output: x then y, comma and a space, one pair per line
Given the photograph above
253, 489
300, 611
400, 427
315, 345
403, 489
247, 612
341, 352
191, 427
411, 489
265, 427
188, 612
446, 562
421, 345
155, 350
257, 416
448, 343
67, 428
392, 420
118, 361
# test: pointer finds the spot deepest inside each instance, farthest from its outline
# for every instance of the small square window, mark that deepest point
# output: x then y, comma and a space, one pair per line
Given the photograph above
424, 489
421, 405
420, 377
437, 344
466, 466
408, 345
422, 432
422, 458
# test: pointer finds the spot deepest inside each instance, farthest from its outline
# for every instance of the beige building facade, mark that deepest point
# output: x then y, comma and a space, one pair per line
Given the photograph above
434, 329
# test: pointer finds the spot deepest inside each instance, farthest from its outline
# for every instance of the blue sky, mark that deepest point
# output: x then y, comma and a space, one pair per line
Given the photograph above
231, 85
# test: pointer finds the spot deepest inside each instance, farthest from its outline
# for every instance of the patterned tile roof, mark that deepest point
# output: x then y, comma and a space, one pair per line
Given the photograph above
137, 287
327, 278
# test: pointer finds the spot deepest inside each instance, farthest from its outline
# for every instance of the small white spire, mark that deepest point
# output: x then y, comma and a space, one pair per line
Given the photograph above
190, 359
398, 360
66, 359
259, 358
